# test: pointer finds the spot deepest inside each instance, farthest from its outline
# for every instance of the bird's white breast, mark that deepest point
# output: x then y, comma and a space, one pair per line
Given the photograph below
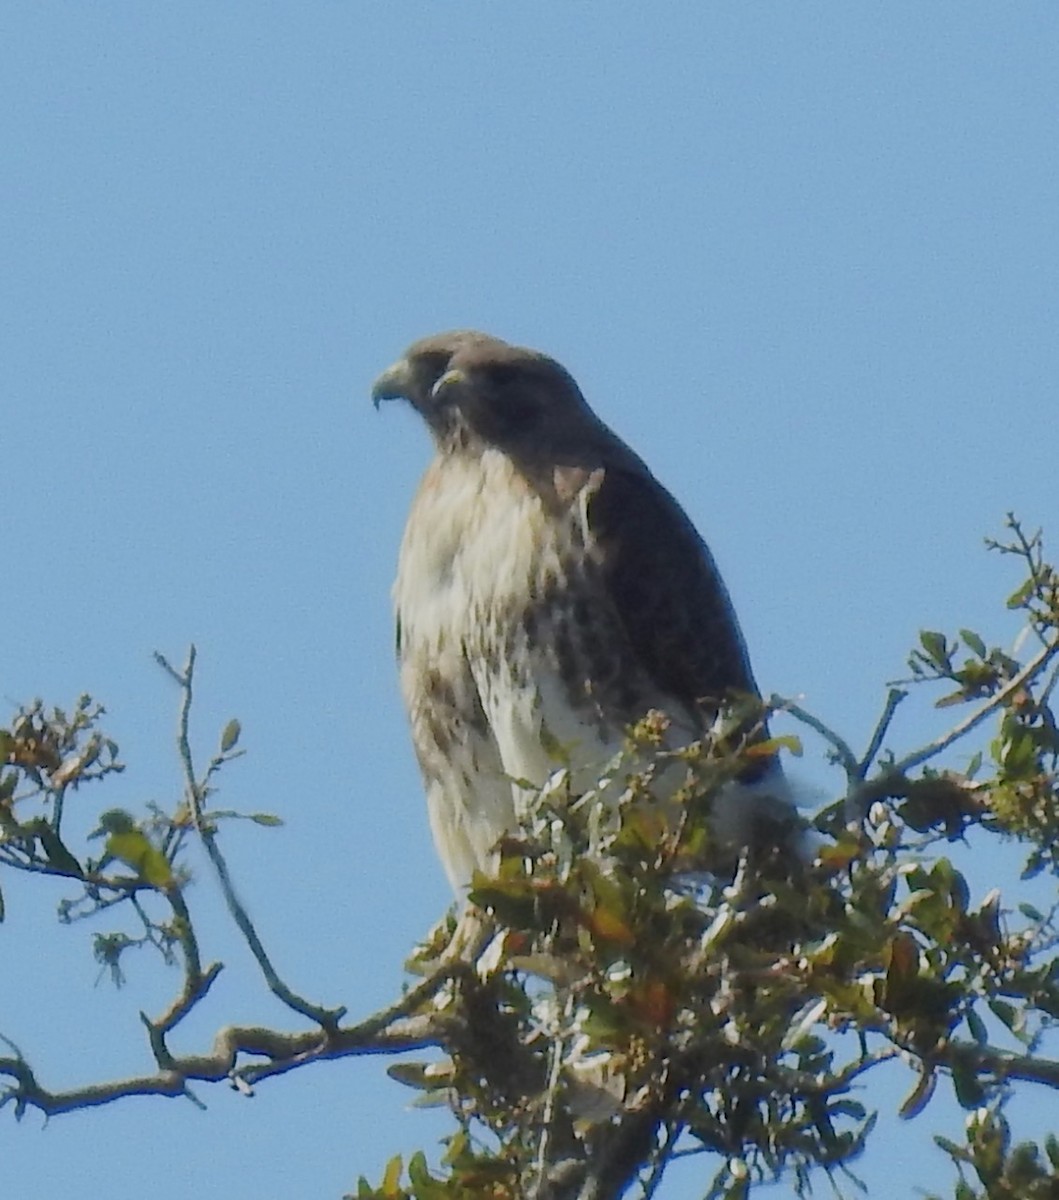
478, 543
467, 548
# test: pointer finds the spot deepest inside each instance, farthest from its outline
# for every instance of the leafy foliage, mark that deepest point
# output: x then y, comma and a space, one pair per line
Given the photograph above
604, 1007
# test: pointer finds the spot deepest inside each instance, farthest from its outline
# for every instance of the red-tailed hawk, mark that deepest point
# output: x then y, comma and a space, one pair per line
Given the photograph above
549, 590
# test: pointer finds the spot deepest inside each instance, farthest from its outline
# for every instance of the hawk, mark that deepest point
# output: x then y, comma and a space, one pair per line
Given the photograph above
549, 590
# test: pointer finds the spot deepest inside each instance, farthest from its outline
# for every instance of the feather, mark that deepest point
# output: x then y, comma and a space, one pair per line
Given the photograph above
549, 592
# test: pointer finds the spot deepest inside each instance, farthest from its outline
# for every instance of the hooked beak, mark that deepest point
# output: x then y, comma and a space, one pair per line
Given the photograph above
393, 384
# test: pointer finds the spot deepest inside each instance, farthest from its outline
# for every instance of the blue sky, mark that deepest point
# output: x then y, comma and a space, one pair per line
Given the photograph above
803, 257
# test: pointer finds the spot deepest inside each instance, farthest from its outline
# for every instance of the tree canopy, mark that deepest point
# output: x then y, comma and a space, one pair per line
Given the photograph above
601, 1011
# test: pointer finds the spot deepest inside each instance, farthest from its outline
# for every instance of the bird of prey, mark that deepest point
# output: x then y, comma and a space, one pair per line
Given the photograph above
549, 591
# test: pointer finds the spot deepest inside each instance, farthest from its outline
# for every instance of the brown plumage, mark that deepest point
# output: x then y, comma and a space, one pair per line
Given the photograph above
548, 588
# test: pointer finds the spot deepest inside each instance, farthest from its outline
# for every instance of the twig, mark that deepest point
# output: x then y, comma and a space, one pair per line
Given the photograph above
185, 933
195, 988
552, 1091
843, 753
1049, 687
327, 1017
1003, 1064
411, 1000
893, 699
666, 1153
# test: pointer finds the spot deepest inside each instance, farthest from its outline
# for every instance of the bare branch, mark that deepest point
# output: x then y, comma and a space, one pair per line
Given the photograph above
893, 699
195, 989
843, 754
1002, 1064
195, 793
390, 1031
666, 1153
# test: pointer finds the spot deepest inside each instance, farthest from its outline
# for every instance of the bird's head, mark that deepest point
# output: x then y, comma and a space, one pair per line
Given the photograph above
473, 389
114, 820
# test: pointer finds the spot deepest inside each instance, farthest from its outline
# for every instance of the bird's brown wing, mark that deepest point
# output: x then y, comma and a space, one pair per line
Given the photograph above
667, 592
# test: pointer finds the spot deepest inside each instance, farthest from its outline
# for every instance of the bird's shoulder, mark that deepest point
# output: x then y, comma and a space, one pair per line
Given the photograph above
663, 583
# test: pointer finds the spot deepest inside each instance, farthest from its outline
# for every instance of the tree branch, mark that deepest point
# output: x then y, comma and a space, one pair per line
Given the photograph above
843, 754
992, 705
1003, 1064
195, 794
390, 1031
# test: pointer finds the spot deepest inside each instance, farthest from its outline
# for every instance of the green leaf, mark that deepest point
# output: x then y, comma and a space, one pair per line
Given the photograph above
230, 735
57, 854
919, 1097
391, 1180
847, 1108
419, 1075
973, 642
266, 819
418, 1172
1021, 594
950, 1147
935, 645
969, 1092
977, 1027
1005, 1012
1020, 754
786, 741
958, 889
